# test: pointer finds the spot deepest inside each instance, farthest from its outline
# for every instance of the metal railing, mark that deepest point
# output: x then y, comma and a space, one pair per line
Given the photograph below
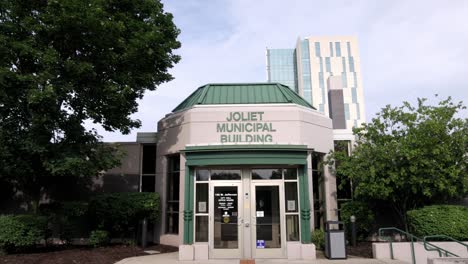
413, 239
445, 238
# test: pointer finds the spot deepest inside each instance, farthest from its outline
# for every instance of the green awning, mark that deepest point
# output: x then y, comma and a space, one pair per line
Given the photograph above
246, 155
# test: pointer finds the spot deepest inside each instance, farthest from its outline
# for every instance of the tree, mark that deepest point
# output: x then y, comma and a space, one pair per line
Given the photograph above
409, 156
66, 62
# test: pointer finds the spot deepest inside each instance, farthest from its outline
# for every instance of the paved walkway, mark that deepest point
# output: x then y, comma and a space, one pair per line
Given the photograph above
172, 258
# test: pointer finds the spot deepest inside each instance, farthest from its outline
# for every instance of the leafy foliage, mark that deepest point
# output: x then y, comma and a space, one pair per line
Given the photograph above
120, 213
20, 232
409, 156
318, 238
99, 238
364, 217
64, 63
67, 219
446, 220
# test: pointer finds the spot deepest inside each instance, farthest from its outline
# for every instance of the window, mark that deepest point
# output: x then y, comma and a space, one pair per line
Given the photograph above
351, 64
291, 204
317, 49
344, 79
225, 174
354, 95
343, 62
266, 174
331, 49
317, 190
148, 170
327, 64
355, 79
172, 196
321, 80
201, 211
321, 108
346, 111
149, 159
338, 49
358, 112
349, 48
343, 186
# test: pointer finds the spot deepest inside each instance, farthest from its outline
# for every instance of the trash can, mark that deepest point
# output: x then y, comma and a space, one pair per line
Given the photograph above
335, 240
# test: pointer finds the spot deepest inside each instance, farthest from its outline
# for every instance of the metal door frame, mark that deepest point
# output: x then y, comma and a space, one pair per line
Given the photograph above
268, 252
226, 253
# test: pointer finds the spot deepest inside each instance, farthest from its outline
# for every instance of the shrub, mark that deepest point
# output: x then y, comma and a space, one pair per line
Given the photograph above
449, 220
20, 232
364, 218
99, 238
120, 213
68, 219
318, 238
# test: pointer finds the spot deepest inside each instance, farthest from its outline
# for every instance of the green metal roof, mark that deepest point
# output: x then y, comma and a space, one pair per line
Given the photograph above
242, 93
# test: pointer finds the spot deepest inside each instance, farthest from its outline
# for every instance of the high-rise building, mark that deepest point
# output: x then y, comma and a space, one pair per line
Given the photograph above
317, 69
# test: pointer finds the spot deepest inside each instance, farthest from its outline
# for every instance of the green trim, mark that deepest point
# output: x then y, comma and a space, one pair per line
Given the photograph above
246, 155
206, 158
305, 205
188, 207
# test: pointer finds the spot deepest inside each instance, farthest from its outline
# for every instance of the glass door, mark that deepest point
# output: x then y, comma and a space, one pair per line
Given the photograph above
268, 229
225, 220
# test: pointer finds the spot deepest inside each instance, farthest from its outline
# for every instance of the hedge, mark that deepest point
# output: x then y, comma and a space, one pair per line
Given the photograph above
120, 213
67, 220
99, 238
20, 232
318, 238
449, 220
364, 218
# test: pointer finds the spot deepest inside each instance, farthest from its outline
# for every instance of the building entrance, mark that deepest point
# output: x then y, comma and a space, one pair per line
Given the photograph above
252, 212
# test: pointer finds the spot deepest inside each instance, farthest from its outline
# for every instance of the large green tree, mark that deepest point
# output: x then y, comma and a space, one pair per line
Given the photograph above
409, 156
64, 62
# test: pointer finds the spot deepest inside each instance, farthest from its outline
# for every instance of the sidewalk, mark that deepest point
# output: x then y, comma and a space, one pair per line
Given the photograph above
172, 258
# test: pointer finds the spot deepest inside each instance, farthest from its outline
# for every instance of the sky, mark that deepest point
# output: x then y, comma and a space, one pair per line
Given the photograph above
408, 49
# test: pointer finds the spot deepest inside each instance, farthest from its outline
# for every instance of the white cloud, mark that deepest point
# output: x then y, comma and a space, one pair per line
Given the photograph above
408, 49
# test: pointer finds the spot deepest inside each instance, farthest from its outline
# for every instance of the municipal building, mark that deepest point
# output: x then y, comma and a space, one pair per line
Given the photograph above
239, 171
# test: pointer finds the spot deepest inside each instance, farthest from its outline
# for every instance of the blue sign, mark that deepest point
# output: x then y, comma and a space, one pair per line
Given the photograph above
260, 243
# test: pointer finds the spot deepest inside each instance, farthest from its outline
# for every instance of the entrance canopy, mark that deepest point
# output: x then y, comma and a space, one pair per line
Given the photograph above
246, 155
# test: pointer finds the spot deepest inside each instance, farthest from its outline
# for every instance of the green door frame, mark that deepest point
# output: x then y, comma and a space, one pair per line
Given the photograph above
246, 155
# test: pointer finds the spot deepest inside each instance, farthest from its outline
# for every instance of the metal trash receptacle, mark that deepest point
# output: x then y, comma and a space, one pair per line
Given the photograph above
335, 240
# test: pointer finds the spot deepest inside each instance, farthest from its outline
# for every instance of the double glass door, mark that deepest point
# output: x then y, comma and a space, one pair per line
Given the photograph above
246, 218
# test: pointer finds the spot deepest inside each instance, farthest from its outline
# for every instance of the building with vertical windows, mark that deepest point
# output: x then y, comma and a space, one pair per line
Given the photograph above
239, 171
317, 64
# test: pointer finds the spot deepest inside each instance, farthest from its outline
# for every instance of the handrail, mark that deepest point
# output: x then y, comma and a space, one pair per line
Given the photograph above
444, 237
412, 237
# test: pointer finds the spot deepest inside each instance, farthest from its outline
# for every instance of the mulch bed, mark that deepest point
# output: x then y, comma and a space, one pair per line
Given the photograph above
112, 254
78, 255
362, 250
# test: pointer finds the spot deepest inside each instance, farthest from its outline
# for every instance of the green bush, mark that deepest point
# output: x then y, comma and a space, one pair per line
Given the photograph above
449, 220
20, 232
364, 218
318, 238
99, 238
67, 219
120, 213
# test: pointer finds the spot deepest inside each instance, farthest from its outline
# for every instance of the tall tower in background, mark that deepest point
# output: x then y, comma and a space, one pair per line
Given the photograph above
325, 71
